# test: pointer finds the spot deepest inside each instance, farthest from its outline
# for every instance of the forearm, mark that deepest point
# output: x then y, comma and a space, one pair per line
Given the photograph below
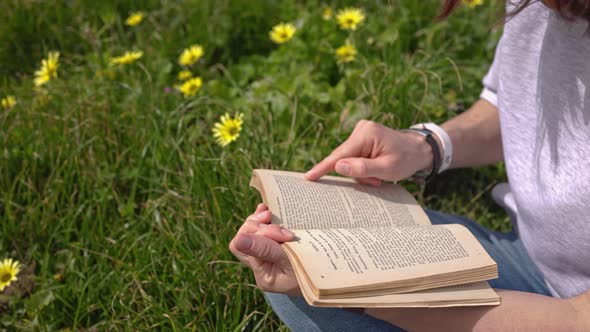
518, 312
475, 135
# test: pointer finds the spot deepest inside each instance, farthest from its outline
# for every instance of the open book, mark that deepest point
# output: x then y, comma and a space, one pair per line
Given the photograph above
362, 246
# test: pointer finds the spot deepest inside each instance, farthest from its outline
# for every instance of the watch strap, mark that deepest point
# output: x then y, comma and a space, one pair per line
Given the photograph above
425, 176
446, 150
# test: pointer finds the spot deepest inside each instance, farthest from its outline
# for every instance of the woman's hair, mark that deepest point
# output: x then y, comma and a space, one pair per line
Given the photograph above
571, 10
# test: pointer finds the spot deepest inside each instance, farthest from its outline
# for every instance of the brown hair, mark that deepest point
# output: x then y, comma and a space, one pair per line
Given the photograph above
571, 10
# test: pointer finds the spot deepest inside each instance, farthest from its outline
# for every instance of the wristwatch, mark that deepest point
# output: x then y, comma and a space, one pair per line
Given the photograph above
425, 176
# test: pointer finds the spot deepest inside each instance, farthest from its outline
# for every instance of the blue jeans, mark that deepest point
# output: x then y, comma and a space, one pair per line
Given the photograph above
515, 268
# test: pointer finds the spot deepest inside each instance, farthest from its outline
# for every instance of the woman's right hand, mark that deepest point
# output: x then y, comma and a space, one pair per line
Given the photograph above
374, 153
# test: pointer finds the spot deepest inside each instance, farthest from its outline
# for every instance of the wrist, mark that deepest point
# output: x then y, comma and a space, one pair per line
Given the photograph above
294, 292
443, 144
436, 152
422, 151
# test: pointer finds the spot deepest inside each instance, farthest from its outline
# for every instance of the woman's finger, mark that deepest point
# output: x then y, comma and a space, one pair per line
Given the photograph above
261, 248
264, 217
369, 181
260, 208
255, 222
354, 146
350, 148
250, 227
275, 233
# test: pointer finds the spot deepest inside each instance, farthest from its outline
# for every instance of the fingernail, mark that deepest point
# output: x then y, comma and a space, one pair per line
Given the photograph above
261, 225
261, 214
343, 168
287, 232
309, 173
244, 242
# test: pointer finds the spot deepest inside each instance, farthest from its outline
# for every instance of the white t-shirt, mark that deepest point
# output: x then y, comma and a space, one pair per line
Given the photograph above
540, 82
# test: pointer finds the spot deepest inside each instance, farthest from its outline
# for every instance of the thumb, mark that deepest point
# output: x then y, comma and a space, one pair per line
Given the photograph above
260, 247
380, 168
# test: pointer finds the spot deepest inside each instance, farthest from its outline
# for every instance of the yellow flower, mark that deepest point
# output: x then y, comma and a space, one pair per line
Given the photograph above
191, 86
346, 53
327, 13
228, 129
473, 3
191, 55
282, 32
8, 102
350, 18
134, 19
126, 58
8, 270
184, 75
48, 69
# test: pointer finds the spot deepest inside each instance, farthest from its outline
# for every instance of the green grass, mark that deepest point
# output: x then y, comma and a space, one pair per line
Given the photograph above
116, 193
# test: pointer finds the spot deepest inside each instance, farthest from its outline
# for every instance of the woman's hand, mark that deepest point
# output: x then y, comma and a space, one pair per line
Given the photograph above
257, 244
374, 153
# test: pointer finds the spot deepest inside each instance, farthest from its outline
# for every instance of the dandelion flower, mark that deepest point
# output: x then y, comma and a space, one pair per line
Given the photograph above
126, 58
228, 129
327, 14
9, 268
350, 18
134, 19
191, 86
8, 102
191, 55
282, 32
346, 53
48, 69
473, 3
184, 75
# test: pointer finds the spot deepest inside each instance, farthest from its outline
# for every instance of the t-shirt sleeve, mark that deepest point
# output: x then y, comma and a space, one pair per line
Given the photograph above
491, 80
490, 91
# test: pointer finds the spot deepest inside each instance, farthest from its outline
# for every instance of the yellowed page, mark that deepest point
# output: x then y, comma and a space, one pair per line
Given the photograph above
473, 294
470, 294
335, 202
339, 261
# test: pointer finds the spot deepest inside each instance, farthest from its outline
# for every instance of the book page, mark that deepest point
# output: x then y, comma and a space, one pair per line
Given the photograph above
340, 261
472, 294
335, 202
469, 294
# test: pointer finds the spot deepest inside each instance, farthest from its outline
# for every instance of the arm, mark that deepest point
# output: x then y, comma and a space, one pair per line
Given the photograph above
476, 136
374, 152
518, 312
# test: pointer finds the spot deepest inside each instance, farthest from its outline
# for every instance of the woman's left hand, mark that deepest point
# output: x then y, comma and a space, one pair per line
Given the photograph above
257, 244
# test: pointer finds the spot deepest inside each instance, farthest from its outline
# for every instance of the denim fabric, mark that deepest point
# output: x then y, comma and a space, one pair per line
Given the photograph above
515, 268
